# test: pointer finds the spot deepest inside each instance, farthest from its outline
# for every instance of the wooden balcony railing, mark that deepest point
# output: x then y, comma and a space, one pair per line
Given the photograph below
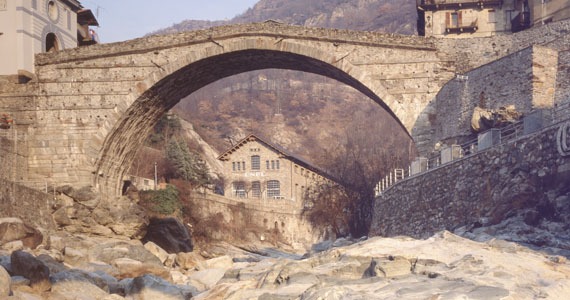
460, 28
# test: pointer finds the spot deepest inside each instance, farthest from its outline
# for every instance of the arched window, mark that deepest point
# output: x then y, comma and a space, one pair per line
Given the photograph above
255, 162
52, 44
256, 189
273, 189
239, 189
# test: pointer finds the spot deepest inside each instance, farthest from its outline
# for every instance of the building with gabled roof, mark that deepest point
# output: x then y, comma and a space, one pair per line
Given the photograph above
257, 169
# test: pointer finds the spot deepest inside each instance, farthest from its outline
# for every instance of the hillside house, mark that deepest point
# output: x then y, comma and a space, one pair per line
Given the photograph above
480, 18
257, 169
28, 27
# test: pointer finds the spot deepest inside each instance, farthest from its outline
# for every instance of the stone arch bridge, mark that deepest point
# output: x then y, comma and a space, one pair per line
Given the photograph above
90, 109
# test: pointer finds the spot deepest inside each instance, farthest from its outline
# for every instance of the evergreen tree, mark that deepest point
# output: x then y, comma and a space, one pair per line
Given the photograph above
189, 165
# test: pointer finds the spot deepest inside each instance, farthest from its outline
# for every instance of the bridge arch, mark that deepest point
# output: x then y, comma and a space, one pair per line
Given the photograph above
164, 88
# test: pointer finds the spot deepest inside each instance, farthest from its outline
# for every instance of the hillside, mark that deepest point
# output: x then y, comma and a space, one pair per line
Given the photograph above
392, 16
307, 114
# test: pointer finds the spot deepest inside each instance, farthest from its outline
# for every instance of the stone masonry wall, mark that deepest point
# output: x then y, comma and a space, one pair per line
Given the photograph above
524, 173
562, 94
266, 215
32, 206
525, 79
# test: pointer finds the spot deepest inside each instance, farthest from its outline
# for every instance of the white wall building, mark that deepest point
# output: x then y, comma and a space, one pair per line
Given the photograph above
28, 27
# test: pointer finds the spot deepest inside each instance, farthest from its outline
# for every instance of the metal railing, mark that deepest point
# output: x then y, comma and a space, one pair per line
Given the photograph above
508, 133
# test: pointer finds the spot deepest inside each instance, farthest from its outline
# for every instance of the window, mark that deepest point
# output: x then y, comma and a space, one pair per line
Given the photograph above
267, 163
272, 165
239, 166
239, 189
255, 163
302, 171
256, 189
243, 165
454, 20
492, 18
233, 166
277, 164
273, 189
68, 19
296, 169
510, 15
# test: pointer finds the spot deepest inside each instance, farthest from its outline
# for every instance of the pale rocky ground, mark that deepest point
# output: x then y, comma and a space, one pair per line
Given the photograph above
444, 266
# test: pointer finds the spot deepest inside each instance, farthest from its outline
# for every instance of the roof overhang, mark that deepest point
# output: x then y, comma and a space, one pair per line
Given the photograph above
86, 17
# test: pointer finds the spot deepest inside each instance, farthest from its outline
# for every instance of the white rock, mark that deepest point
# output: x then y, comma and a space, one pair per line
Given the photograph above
5, 283
208, 278
223, 262
13, 246
157, 251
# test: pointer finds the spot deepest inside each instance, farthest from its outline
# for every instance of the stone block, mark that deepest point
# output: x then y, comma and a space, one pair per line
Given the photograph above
419, 165
488, 139
451, 153
537, 120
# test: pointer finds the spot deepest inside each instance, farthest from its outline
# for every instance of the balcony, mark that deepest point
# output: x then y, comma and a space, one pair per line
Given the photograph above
462, 28
455, 4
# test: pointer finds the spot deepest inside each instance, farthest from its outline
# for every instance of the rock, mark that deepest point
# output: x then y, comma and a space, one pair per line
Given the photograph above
223, 262
112, 297
208, 278
97, 266
156, 250
170, 260
109, 252
148, 287
129, 268
322, 246
389, 267
56, 243
5, 263
76, 283
13, 246
190, 260
170, 235
13, 229
484, 119
99, 279
26, 265
53, 265
5, 283
19, 281
73, 257
21, 295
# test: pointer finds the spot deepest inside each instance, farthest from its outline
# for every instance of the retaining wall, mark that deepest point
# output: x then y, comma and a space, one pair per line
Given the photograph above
525, 173
30, 205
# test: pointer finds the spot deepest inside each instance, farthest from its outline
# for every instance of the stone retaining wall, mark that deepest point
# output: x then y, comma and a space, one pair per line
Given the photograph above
266, 215
32, 206
525, 173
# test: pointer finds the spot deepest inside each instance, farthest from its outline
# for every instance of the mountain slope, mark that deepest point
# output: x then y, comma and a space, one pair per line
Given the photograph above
393, 16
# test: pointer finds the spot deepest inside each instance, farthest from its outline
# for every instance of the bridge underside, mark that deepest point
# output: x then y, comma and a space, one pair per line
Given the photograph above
91, 108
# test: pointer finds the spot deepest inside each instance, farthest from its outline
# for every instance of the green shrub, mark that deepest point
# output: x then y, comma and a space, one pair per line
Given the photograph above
162, 201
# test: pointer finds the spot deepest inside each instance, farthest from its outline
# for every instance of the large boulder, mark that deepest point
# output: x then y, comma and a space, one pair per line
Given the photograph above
148, 287
129, 268
109, 252
26, 265
190, 260
78, 283
84, 211
5, 283
13, 229
170, 235
484, 119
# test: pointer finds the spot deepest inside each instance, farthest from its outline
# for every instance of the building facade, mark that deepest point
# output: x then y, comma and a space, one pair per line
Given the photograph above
480, 18
28, 27
257, 169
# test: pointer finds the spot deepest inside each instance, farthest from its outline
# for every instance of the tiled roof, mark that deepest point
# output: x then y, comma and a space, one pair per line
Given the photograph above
282, 151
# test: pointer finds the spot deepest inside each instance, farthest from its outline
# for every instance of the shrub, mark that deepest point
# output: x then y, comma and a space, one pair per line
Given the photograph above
163, 202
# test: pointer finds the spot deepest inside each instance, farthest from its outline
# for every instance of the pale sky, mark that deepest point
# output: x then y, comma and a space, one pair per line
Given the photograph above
122, 20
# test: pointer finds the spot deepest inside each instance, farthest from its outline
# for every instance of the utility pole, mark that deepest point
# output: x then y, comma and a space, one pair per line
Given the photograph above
155, 176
